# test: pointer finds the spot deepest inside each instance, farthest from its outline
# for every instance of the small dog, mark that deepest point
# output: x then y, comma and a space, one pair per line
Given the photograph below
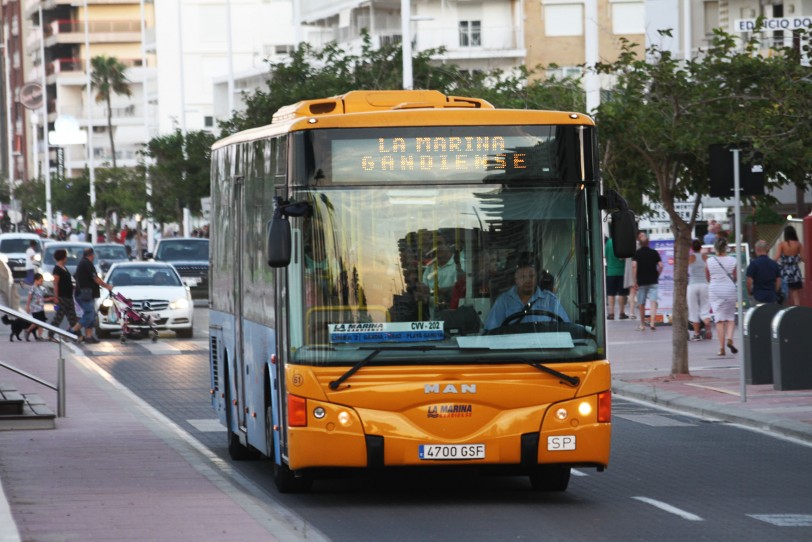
17, 327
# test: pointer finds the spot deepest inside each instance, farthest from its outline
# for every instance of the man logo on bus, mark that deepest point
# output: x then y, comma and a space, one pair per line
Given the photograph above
450, 388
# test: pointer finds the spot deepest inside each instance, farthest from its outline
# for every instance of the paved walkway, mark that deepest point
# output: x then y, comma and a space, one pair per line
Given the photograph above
116, 469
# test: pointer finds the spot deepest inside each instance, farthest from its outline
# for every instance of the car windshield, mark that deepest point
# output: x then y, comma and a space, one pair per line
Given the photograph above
183, 250
143, 276
452, 274
111, 252
10, 246
75, 254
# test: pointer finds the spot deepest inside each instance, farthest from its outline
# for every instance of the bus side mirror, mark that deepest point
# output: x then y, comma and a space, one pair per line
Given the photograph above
279, 241
623, 231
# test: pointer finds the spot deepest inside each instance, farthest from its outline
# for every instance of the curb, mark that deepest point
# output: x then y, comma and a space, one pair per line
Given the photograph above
728, 413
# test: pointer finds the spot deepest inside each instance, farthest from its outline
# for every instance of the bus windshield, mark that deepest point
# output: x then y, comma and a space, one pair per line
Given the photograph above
448, 274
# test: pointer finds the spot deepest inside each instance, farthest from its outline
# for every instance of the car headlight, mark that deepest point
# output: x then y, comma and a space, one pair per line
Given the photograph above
107, 302
180, 303
37, 257
47, 277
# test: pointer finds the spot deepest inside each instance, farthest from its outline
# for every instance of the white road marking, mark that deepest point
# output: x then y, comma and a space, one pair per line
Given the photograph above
161, 347
670, 509
576, 472
785, 520
207, 425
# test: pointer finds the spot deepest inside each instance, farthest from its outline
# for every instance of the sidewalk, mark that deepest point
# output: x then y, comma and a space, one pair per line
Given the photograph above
641, 369
114, 468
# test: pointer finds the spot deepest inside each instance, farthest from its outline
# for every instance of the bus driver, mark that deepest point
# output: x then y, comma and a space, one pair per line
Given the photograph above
525, 296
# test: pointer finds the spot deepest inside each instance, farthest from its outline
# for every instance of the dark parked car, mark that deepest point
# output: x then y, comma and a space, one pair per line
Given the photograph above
190, 256
109, 253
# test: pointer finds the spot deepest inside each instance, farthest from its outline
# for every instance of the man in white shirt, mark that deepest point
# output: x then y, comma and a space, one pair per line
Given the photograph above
440, 275
30, 262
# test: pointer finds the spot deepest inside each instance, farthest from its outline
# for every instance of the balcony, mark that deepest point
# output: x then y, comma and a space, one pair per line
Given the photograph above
73, 31
74, 65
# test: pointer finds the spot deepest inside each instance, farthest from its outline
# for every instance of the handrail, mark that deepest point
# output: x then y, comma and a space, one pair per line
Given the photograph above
60, 372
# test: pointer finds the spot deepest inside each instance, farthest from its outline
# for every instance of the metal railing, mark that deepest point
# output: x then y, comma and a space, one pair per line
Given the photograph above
59, 387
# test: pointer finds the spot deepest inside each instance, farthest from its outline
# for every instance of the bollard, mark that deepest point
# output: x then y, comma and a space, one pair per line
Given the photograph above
791, 347
758, 352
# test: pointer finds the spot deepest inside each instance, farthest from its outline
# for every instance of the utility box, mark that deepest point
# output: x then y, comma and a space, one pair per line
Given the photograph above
791, 346
758, 348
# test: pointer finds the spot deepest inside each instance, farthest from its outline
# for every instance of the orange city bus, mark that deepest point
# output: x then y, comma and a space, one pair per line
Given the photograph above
404, 278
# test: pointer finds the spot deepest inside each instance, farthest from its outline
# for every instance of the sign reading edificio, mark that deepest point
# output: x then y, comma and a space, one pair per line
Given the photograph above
778, 23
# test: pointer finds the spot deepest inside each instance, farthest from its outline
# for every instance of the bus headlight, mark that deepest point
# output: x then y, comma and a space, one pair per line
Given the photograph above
180, 303
584, 409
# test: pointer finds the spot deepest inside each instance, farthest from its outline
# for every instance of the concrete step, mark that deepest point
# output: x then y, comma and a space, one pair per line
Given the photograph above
32, 412
11, 402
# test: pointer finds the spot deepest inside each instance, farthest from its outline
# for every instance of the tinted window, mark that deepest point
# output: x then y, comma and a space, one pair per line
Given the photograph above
15, 245
75, 254
183, 250
144, 276
117, 252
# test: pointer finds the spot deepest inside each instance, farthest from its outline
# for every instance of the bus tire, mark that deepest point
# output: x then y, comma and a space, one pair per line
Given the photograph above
287, 482
550, 478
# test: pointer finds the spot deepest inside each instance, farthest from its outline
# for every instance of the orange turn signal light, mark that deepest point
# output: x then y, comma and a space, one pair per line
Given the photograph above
297, 411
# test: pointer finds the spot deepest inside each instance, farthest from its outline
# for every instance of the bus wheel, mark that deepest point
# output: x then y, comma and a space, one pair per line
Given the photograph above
287, 482
236, 449
550, 478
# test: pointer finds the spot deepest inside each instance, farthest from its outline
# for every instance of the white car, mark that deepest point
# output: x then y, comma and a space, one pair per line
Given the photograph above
156, 290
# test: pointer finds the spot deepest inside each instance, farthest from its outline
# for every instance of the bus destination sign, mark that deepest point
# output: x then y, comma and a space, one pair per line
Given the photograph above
430, 157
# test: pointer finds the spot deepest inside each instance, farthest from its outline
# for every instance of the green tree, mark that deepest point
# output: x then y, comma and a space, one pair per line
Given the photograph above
663, 114
179, 170
107, 77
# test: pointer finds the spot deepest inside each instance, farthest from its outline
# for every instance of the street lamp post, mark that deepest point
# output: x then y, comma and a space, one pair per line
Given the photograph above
89, 105
46, 155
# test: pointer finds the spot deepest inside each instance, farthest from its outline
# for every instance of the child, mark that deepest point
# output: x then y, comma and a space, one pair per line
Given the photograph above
35, 306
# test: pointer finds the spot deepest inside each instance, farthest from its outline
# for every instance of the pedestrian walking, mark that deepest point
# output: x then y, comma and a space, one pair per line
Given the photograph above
720, 271
64, 304
763, 276
615, 269
789, 256
89, 287
647, 266
698, 303
30, 262
35, 306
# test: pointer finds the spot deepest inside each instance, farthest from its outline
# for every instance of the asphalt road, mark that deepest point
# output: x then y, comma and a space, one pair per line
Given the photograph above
671, 477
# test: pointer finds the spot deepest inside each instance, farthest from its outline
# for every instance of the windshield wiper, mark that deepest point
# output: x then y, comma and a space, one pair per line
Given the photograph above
571, 380
375, 351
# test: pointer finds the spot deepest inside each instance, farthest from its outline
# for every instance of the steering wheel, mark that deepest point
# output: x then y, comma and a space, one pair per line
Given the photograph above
535, 312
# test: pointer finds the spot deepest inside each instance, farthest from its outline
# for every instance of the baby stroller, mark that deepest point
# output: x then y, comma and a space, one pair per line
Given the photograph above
134, 324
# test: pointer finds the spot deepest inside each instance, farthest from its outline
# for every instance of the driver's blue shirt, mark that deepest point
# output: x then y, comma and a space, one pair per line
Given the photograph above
509, 303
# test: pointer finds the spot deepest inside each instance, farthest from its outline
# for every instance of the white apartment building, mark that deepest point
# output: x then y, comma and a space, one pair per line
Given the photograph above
68, 34
192, 42
479, 35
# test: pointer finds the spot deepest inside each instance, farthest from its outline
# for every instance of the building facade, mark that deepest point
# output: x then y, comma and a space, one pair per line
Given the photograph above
13, 148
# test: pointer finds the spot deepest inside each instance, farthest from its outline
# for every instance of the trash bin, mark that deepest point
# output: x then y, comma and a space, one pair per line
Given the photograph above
758, 348
792, 349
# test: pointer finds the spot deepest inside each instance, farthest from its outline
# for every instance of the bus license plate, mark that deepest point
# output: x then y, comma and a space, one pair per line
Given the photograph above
560, 443
451, 451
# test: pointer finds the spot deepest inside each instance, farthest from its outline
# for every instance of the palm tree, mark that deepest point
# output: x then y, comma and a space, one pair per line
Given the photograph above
108, 78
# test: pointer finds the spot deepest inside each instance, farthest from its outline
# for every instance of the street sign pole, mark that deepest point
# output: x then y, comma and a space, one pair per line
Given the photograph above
739, 248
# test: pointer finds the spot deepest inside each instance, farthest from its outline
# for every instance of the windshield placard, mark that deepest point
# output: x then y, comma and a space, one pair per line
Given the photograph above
372, 332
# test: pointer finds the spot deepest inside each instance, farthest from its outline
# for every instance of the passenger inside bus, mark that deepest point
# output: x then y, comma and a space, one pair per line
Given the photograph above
526, 301
440, 274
